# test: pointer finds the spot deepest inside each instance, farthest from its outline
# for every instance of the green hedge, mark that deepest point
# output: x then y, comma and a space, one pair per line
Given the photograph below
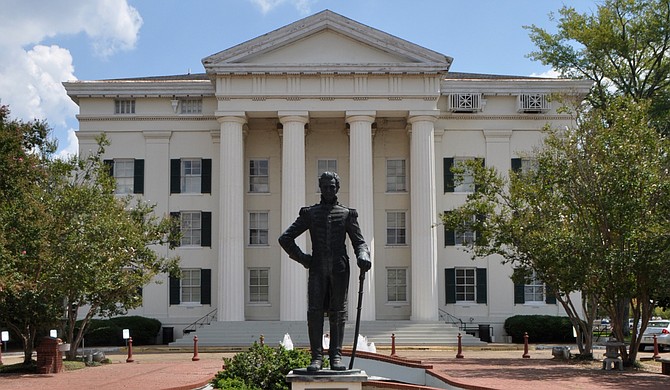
262, 367
101, 333
540, 328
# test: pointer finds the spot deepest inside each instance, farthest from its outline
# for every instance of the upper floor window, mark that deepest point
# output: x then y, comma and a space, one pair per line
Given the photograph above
124, 106
396, 284
259, 176
533, 290
191, 106
524, 165
195, 227
396, 230
464, 236
396, 176
462, 181
259, 285
258, 228
190, 286
128, 174
191, 176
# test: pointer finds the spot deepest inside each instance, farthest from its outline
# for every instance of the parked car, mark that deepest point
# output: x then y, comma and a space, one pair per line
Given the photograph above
660, 328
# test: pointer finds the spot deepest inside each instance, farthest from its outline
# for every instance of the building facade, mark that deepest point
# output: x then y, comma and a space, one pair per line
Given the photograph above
236, 151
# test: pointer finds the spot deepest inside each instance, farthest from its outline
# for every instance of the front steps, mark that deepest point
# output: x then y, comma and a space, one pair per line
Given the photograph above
407, 333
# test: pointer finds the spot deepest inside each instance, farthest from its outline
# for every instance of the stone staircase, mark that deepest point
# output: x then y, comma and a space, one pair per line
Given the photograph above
407, 333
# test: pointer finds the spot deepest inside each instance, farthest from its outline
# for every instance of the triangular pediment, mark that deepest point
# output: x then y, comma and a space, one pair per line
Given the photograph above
326, 42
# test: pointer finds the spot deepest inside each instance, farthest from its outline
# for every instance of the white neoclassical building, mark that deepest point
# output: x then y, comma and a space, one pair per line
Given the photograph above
236, 151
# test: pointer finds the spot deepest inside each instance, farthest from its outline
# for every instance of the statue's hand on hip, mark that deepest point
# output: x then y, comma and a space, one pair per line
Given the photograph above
306, 260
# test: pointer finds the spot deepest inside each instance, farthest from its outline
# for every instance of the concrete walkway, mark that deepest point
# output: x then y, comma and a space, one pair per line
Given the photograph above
496, 368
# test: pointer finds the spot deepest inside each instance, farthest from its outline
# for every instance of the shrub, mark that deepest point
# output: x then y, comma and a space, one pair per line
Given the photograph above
102, 333
143, 330
540, 328
262, 367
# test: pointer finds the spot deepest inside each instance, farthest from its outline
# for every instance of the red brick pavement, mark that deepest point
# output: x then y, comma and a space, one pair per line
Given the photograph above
480, 369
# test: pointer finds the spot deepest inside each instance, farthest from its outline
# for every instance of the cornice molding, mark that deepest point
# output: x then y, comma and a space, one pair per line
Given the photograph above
120, 118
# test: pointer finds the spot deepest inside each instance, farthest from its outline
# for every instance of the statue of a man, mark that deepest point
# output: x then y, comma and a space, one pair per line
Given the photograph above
328, 223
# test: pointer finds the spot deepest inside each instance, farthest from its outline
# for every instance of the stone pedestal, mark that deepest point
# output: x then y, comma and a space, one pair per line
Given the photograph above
301, 379
612, 358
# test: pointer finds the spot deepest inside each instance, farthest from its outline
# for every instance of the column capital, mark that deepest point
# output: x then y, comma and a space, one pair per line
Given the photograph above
293, 116
365, 116
428, 115
231, 116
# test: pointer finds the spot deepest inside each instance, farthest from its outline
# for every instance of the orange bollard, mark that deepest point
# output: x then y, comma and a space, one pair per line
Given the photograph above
525, 346
130, 350
656, 354
195, 357
393, 345
459, 355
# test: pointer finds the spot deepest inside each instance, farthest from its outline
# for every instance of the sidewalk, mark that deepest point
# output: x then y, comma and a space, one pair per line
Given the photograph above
479, 369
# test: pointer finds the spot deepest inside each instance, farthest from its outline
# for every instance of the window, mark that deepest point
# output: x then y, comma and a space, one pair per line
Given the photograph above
465, 102
128, 173
191, 176
124, 106
532, 103
194, 287
533, 290
396, 176
259, 285
463, 236
396, 284
524, 165
396, 232
191, 228
466, 285
258, 228
191, 106
461, 182
324, 166
190, 285
258, 176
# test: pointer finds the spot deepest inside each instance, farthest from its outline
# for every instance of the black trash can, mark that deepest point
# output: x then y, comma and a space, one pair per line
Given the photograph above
485, 332
168, 334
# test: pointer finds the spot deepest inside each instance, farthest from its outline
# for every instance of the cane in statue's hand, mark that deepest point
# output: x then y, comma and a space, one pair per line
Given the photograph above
361, 280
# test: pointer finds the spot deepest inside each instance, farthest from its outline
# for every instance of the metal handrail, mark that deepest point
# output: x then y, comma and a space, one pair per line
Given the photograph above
451, 319
200, 322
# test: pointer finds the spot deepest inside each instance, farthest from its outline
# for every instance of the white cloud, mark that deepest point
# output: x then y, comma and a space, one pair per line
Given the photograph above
303, 6
71, 148
31, 73
548, 74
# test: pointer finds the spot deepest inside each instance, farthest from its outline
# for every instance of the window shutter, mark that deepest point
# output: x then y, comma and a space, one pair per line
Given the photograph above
448, 174
138, 179
110, 167
450, 284
206, 228
206, 286
449, 235
175, 176
175, 291
481, 285
206, 176
175, 216
483, 164
550, 298
516, 165
519, 294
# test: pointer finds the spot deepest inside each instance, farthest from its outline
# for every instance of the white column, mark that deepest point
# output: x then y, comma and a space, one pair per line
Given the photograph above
423, 217
293, 288
361, 198
231, 276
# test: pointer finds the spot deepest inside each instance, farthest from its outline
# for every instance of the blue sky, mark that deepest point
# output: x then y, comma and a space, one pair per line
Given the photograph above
43, 43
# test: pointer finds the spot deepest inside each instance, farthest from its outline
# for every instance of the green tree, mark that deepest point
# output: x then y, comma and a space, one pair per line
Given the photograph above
593, 217
102, 244
27, 305
624, 48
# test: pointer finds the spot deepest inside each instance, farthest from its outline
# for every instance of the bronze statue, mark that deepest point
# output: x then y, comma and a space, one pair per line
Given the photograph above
328, 223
